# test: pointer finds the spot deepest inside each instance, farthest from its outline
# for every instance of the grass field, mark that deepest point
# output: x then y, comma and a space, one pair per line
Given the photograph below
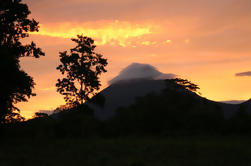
132, 151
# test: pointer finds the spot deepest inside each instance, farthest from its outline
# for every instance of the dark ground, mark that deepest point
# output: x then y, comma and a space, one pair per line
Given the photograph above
131, 151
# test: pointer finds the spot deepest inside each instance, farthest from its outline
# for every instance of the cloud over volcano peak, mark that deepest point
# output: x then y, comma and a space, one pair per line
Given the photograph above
140, 71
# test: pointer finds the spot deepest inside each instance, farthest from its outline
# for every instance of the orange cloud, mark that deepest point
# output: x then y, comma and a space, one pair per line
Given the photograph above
104, 32
148, 43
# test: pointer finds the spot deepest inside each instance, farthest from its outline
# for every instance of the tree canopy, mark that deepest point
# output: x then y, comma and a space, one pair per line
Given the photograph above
16, 84
184, 83
81, 67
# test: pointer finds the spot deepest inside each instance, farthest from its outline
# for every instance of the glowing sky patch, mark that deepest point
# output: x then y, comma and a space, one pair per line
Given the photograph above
104, 32
206, 42
168, 41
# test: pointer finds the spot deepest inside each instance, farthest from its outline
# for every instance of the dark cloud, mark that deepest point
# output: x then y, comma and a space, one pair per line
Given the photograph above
140, 71
242, 74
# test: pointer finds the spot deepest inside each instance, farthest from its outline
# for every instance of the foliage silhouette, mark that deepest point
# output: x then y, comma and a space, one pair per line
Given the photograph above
177, 110
40, 115
184, 83
16, 85
82, 68
173, 112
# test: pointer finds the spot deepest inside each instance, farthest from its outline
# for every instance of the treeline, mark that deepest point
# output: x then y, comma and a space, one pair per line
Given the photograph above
178, 113
174, 112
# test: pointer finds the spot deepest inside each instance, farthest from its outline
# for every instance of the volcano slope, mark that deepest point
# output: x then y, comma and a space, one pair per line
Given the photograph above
125, 93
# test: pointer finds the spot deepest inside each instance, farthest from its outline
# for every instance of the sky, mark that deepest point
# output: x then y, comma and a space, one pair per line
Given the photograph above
205, 41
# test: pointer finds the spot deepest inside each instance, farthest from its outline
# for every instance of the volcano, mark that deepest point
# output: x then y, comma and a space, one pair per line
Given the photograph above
125, 93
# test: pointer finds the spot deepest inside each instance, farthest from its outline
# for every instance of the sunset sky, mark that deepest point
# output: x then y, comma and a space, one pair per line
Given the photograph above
205, 41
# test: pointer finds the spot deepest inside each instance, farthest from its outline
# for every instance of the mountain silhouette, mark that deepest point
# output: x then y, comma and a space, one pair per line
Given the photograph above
125, 93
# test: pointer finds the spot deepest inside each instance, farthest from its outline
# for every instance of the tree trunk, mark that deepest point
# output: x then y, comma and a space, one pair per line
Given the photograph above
81, 81
81, 92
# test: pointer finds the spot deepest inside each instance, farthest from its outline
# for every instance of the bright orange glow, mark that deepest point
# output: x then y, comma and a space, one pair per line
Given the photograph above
206, 42
168, 41
187, 41
104, 32
38, 104
149, 43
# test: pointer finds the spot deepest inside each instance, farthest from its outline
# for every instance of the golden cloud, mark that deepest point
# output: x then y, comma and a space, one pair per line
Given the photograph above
104, 32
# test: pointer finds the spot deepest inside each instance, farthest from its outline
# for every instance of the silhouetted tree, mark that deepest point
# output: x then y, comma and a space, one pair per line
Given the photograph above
16, 85
82, 67
40, 115
185, 84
